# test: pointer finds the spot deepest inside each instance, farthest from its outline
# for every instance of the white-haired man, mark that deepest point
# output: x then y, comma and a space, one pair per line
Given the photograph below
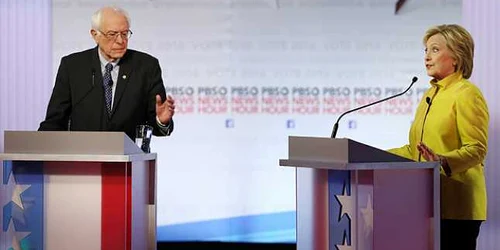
109, 87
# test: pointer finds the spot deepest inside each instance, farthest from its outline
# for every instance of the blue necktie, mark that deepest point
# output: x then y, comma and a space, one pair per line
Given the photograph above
108, 84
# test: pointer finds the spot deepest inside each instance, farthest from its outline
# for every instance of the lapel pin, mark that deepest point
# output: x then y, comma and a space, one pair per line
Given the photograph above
124, 76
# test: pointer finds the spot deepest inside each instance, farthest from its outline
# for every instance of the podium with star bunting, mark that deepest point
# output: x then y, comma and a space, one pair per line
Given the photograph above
76, 190
351, 196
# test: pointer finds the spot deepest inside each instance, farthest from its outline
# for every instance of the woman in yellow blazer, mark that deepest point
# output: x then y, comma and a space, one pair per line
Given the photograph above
451, 126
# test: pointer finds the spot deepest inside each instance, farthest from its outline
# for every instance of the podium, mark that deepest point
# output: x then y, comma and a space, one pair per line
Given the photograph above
353, 196
76, 190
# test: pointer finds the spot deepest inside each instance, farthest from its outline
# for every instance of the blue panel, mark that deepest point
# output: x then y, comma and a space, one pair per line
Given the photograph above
23, 213
339, 185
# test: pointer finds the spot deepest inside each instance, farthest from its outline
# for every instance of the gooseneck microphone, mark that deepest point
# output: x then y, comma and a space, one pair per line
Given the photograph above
82, 98
336, 126
428, 100
88, 91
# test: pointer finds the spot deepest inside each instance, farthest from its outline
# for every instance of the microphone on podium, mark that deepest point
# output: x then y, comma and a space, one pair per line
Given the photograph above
336, 126
76, 103
88, 91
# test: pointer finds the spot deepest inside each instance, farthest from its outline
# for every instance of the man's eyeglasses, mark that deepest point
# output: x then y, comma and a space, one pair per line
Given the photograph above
113, 35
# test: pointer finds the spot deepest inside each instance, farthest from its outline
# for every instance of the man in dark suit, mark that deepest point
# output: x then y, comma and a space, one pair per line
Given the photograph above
109, 87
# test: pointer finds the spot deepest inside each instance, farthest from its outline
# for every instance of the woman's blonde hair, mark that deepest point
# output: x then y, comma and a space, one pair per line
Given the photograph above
459, 41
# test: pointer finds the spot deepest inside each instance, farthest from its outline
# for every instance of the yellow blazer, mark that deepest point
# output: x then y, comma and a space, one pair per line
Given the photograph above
454, 125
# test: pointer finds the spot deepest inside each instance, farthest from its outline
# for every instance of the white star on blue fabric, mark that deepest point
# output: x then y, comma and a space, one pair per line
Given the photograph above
347, 207
13, 238
11, 195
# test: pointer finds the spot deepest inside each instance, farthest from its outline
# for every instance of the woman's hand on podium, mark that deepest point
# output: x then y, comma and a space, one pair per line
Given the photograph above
429, 155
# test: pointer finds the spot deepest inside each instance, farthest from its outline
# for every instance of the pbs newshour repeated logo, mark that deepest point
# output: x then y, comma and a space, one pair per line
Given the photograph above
234, 101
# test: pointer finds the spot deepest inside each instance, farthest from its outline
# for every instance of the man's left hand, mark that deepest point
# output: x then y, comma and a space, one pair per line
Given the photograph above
165, 110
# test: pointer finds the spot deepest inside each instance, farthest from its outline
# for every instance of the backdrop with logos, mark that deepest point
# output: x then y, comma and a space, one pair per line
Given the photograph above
246, 74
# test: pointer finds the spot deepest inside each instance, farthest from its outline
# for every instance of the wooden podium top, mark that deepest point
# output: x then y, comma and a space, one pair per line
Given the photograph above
343, 154
77, 157
71, 146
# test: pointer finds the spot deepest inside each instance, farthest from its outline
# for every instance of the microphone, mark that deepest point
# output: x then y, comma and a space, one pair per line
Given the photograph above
336, 126
429, 102
83, 97
88, 91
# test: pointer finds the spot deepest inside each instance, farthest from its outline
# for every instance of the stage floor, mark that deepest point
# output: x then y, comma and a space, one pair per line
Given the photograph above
220, 245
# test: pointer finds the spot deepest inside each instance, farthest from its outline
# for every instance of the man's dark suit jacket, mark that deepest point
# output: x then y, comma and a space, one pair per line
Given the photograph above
77, 102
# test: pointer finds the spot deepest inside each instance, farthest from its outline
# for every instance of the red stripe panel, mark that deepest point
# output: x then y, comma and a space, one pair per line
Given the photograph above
129, 206
116, 206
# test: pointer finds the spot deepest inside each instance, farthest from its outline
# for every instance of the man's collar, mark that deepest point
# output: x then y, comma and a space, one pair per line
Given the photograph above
104, 61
